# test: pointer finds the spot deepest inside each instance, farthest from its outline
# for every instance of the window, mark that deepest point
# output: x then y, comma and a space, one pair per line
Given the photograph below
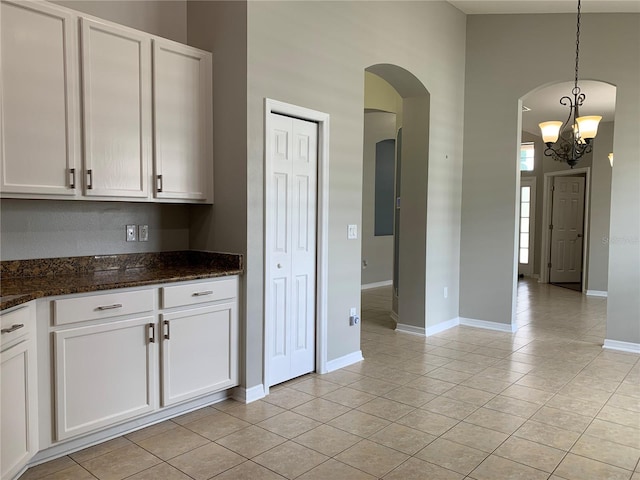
384, 183
525, 214
526, 157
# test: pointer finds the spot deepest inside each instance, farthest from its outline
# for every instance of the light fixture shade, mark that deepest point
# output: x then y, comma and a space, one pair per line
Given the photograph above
611, 158
550, 131
588, 126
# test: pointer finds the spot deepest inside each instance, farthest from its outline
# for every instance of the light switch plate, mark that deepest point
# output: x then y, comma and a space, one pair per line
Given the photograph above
352, 232
143, 233
131, 232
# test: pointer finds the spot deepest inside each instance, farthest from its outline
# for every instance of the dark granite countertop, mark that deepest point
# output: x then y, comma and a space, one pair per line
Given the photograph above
25, 280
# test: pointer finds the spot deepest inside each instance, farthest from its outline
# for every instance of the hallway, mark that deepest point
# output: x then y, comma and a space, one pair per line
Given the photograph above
544, 403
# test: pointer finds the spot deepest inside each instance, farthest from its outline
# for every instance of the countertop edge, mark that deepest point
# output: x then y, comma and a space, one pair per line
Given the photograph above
19, 299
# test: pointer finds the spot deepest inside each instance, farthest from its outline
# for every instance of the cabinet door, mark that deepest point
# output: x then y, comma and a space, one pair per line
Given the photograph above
182, 120
39, 137
199, 352
104, 374
116, 86
18, 421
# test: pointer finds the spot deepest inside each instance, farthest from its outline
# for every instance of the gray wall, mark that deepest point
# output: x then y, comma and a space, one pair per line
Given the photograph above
600, 206
221, 27
376, 251
60, 228
44, 228
507, 57
314, 54
166, 18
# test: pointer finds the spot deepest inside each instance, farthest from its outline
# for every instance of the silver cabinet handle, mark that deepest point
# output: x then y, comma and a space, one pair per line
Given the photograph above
72, 179
109, 307
12, 328
167, 334
89, 179
159, 183
152, 338
202, 294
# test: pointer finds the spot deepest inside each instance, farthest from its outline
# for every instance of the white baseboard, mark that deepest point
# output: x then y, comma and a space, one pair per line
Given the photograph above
75, 444
394, 316
621, 346
442, 326
597, 293
344, 361
412, 329
369, 286
501, 327
248, 395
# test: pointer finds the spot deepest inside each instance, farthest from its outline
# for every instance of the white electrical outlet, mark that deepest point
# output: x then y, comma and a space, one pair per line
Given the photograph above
131, 232
352, 232
143, 233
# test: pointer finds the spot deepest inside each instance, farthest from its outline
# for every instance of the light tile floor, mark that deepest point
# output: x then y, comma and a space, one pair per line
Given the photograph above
544, 403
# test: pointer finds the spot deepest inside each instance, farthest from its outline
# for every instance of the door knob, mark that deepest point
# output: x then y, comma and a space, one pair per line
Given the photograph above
579, 235
279, 266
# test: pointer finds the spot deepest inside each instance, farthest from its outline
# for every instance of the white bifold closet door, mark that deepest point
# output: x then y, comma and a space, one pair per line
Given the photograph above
290, 254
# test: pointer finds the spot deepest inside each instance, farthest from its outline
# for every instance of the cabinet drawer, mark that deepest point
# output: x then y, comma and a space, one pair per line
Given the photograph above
15, 324
193, 293
71, 310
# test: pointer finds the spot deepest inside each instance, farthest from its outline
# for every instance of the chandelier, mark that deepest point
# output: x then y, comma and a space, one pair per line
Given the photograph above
569, 141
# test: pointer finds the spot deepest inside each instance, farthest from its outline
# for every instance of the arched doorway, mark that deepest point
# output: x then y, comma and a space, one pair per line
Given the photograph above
410, 194
535, 232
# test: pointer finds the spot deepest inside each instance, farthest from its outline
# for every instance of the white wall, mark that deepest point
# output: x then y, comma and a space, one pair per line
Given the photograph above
49, 228
508, 56
377, 251
314, 54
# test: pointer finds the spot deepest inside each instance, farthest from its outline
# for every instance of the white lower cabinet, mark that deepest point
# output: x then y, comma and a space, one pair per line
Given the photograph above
104, 374
197, 352
18, 402
117, 353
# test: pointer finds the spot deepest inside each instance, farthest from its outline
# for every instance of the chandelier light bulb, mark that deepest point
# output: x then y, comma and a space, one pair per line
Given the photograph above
588, 126
550, 131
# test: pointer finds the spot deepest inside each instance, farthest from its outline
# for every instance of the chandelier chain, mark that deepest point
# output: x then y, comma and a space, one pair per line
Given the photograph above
577, 45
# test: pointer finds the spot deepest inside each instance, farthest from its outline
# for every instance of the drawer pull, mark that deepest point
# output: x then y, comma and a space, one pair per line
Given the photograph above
12, 328
152, 338
167, 334
109, 307
203, 293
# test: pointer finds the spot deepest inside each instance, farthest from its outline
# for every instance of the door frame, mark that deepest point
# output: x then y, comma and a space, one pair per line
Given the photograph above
546, 218
322, 231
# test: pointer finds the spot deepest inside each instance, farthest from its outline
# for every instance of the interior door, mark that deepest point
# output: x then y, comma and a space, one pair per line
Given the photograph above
567, 230
290, 263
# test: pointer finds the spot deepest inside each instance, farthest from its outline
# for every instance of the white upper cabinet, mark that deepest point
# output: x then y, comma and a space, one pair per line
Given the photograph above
116, 87
84, 113
182, 121
39, 137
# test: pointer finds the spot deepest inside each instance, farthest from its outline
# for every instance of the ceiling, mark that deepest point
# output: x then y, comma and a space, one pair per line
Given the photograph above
545, 103
472, 7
